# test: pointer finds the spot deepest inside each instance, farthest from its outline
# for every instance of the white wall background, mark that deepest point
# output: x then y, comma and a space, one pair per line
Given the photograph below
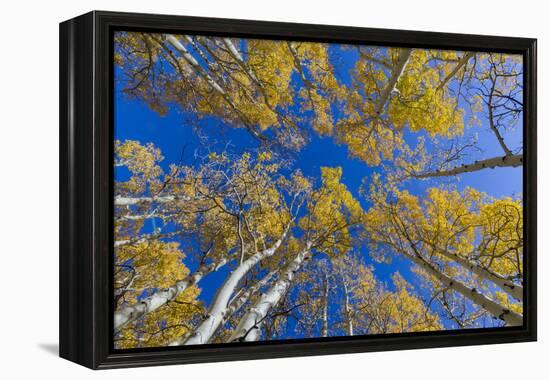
29, 187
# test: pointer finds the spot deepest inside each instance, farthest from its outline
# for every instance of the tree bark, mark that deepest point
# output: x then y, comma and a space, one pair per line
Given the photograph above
495, 309
201, 72
240, 61
248, 329
397, 71
463, 61
204, 332
324, 319
347, 309
489, 163
130, 201
143, 238
299, 67
238, 302
241, 299
193, 62
128, 314
508, 286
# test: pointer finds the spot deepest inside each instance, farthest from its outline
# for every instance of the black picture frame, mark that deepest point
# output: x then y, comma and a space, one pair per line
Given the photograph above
86, 188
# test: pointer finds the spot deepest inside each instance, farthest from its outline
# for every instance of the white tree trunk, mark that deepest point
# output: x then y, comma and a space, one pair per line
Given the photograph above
129, 201
128, 314
489, 163
218, 307
139, 216
498, 311
143, 238
252, 76
241, 298
240, 60
193, 62
324, 317
347, 310
237, 302
463, 61
211, 65
201, 72
397, 71
508, 286
248, 329
299, 66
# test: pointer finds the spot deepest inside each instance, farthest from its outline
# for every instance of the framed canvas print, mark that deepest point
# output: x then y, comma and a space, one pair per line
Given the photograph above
240, 189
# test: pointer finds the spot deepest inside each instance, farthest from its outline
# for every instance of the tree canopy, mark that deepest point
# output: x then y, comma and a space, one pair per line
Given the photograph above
317, 190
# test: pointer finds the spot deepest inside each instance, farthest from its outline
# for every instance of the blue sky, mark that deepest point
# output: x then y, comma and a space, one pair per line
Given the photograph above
173, 133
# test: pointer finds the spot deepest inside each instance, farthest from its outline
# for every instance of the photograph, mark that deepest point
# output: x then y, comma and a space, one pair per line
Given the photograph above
272, 189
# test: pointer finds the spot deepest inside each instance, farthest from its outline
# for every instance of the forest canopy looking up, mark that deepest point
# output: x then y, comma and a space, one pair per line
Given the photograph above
270, 189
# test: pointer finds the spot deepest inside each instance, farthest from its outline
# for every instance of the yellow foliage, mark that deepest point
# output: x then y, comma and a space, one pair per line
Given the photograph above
502, 236
148, 266
415, 103
323, 88
382, 311
419, 105
470, 224
509, 303
142, 162
333, 212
